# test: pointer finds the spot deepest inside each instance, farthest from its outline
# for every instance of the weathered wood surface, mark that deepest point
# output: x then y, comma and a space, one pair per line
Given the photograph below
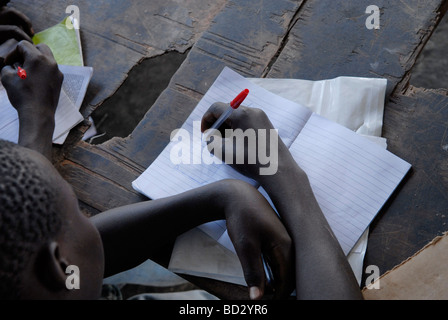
415, 121
117, 34
284, 39
416, 126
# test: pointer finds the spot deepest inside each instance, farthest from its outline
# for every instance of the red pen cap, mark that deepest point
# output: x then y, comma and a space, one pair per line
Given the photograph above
239, 99
21, 73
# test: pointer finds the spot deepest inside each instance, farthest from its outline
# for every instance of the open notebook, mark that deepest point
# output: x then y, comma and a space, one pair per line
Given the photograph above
351, 177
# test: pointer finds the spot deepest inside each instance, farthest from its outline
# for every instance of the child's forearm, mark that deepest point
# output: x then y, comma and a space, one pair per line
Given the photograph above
137, 232
133, 233
36, 131
322, 269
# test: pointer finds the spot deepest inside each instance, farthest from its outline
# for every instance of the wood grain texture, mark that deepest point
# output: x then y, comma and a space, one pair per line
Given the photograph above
239, 41
330, 39
116, 35
416, 126
309, 39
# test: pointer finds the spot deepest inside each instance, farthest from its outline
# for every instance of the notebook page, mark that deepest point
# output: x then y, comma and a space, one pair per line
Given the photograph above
164, 178
66, 117
76, 82
351, 177
287, 116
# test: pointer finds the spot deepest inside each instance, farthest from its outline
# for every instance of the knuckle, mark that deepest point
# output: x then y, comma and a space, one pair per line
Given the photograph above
16, 29
242, 115
238, 188
251, 113
22, 44
51, 64
259, 113
285, 240
41, 46
283, 244
217, 106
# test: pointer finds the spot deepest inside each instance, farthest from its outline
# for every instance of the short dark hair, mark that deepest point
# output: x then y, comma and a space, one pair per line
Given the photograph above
28, 215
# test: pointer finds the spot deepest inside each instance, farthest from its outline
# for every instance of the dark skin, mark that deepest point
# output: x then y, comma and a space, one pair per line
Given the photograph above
14, 27
321, 268
21, 93
101, 245
36, 123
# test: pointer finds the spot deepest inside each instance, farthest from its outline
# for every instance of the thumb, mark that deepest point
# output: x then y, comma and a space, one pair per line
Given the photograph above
7, 74
212, 114
12, 85
253, 269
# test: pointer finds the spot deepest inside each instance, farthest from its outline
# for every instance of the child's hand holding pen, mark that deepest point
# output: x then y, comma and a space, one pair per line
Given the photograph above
33, 83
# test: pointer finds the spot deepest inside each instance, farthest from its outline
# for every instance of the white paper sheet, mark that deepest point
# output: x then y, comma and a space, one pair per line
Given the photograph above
359, 99
67, 116
356, 103
76, 82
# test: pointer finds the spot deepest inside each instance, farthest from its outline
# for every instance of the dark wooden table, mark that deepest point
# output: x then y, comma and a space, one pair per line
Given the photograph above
308, 39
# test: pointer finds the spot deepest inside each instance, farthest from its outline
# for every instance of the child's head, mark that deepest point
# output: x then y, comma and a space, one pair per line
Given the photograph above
42, 231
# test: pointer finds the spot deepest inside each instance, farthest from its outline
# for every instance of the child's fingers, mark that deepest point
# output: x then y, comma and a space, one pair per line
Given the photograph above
8, 76
5, 49
281, 261
13, 32
45, 50
212, 114
22, 52
253, 269
11, 16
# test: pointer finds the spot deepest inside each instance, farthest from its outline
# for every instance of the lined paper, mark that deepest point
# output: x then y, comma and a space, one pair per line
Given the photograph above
351, 177
163, 178
67, 115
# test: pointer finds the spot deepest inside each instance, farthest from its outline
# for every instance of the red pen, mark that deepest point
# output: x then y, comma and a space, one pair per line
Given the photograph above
21, 73
232, 106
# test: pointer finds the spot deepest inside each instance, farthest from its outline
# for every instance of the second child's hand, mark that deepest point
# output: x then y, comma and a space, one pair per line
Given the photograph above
14, 27
36, 97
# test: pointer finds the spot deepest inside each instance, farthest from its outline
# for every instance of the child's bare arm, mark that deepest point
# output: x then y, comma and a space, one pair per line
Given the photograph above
35, 97
133, 233
322, 269
14, 25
